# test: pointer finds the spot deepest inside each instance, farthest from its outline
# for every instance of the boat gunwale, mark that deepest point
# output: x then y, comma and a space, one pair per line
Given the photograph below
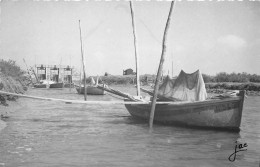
192, 103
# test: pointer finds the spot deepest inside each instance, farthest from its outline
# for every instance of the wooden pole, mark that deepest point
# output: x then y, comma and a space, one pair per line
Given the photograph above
70, 73
83, 63
156, 88
70, 78
136, 55
80, 76
172, 65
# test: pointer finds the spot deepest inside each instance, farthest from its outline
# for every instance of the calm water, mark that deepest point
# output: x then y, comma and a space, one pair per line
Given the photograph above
46, 133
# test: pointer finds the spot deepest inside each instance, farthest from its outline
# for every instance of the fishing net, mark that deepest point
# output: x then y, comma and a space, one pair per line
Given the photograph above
186, 87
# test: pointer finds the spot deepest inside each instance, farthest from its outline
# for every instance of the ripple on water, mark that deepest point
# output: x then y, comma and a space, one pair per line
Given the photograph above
44, 133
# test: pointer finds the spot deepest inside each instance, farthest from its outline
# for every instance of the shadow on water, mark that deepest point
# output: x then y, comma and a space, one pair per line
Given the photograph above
127, 120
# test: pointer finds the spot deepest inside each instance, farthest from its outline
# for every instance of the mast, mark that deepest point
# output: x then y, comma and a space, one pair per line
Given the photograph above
156, 88
83, 63
135, 45
172, 65
61, 77
80, 76
70, 80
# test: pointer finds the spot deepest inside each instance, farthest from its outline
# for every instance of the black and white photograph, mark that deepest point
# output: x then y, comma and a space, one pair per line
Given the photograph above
129, 83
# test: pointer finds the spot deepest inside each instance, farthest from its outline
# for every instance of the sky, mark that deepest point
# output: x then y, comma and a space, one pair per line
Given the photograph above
212, 36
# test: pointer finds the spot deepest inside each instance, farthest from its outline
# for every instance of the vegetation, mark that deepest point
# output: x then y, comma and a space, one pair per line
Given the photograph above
233, 77
234, 86
219, 78
233, 81
12, 79
9, 68
121, 79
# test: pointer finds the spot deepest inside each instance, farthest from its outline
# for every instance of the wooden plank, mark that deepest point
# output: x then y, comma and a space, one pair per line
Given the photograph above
117, 92
156, 88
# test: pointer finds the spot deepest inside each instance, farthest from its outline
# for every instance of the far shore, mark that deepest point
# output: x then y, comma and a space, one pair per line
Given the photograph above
251, 88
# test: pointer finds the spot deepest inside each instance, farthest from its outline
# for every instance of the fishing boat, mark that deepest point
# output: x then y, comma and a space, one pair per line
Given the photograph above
39, 85
184, 101
91, 89
69, 85
57, 85
87, 89
223, 113
43, 84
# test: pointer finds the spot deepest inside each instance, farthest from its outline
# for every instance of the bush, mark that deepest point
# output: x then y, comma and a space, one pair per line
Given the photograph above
9, 68
236, 77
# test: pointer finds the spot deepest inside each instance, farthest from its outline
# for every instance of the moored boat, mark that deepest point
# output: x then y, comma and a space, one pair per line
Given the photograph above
69, 85
43, 84
223, 113
57, 85
40, 85
91, 90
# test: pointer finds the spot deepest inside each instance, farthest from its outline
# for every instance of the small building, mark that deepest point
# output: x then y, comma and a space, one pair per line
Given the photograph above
128, 71
107, 74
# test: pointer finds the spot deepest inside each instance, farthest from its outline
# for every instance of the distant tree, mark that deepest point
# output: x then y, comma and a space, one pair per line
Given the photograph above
254, 78
236, 77
222, 77
208, 78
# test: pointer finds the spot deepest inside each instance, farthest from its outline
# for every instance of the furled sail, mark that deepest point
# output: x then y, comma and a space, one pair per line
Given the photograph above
186, 87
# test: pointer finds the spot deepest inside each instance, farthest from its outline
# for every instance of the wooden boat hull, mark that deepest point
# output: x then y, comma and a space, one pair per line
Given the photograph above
91, 90
67, 85
40, 86
57, 85
217, 113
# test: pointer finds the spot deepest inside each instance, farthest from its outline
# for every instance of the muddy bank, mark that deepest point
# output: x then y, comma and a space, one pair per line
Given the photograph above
13, 85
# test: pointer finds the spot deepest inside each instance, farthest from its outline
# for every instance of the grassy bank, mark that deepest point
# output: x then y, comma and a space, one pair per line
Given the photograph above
249, 86
12, 79
252, 89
